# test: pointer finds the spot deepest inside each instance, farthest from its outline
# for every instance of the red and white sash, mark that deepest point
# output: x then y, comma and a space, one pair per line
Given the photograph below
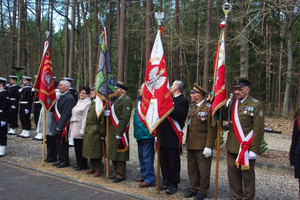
245, 142
57, 116
115, 122
176, 127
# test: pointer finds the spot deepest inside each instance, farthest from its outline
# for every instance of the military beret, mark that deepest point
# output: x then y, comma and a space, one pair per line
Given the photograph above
121, 85
240, 82
198, 89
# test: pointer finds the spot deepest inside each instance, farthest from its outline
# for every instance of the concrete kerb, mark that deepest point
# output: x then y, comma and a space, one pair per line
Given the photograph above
75, 180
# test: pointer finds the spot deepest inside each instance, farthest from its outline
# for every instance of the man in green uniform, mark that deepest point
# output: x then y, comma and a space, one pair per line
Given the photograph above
118, 138
246, 130
199, 142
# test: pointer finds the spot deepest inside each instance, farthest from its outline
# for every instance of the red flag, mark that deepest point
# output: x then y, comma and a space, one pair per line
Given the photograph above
219, 88
157, 102
44, 83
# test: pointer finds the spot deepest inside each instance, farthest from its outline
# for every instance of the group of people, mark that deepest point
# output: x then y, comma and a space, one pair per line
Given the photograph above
80, 119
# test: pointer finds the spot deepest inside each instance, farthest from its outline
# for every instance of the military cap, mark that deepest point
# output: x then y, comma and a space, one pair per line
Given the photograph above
27, 78
93, 87
2, 80
198, 89
13, 77
121, 85
54, 77
68, 79
240, 82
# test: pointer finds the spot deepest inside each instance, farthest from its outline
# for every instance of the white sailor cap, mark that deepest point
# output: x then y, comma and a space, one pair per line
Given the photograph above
54, 77
68, 79
13, 77
27, 78
2, 80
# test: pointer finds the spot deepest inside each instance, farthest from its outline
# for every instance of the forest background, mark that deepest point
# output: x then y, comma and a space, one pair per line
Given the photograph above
262, 42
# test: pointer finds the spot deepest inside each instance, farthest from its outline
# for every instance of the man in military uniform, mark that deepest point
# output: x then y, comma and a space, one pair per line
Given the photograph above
25, 106
246, 130
60, 123
75, 95
13, 106
4, 102
118, 151
171, 139
36, 112
200, 141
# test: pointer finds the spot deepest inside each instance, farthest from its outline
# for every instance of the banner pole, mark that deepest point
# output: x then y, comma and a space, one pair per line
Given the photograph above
158, 161
107, 131
218, 154
44, 138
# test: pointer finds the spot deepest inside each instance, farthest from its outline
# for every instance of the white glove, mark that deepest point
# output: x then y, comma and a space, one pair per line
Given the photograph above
106, 113
292, 166
118, 137
252, 155
207, 152
13, 107
26, 111
102, 138
155, 139
3, 123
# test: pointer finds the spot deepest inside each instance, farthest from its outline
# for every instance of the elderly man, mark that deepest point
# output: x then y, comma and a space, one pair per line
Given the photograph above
60, 123
4, 98
25, 106
171, 139
13, 109
199, 142
246, 130
118, 149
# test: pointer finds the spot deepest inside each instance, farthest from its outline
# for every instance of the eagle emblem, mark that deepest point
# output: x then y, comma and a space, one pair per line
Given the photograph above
156, 79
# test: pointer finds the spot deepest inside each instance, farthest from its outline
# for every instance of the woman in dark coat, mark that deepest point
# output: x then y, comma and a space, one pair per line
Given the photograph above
295, 147
93, 139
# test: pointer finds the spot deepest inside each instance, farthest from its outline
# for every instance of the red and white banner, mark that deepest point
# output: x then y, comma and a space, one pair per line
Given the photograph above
44, 83
157, 102
218, 97
245, 142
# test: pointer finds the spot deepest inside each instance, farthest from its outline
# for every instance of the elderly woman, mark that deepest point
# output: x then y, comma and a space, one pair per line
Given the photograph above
77, 125
93, 140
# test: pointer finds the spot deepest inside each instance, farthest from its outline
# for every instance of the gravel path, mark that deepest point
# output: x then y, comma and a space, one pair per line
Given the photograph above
269, 185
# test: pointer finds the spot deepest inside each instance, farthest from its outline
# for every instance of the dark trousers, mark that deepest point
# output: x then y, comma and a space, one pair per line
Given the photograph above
97, 164
51, 148
239, 178
13, 117
81, 161
3, 135
36, 112
62, 149
120, 169
25, 118
170, 166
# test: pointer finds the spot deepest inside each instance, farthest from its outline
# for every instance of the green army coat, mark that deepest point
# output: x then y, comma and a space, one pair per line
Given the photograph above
123, 108
200, 133
251, 117
94, 130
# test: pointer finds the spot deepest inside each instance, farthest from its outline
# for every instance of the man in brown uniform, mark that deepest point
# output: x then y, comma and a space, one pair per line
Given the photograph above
199, 142
246, 130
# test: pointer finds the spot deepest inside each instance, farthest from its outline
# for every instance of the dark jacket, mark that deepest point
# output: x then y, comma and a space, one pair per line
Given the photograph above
64, 105
168, 137
295, 146
14, 95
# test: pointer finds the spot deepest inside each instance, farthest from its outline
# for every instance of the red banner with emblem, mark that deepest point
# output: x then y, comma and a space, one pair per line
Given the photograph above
157, 102
44, 83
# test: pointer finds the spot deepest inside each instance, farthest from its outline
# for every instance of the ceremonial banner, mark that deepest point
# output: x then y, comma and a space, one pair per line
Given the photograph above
44, 83
104, 84
218, 97
157, 102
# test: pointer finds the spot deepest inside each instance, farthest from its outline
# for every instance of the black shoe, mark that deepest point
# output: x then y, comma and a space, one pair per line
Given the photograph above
189, 194
61, 165
57, 163
117, 180
78, 169
171, 190
162, 187
111, 177
199, 196
75, 166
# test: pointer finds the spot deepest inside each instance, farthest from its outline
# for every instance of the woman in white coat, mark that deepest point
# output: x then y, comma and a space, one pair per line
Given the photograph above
77, 125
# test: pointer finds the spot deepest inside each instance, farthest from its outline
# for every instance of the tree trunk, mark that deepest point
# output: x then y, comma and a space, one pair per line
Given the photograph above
66, 39
121, 41
38, 33
127, 52
72, 41
177, 48
148, 33
207, 48
194, 54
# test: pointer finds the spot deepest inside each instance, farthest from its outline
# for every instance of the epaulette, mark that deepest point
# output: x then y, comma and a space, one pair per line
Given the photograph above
254, 100
208, 105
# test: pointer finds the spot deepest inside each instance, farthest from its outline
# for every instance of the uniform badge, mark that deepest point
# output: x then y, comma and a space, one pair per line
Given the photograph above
128, 108
261, 114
